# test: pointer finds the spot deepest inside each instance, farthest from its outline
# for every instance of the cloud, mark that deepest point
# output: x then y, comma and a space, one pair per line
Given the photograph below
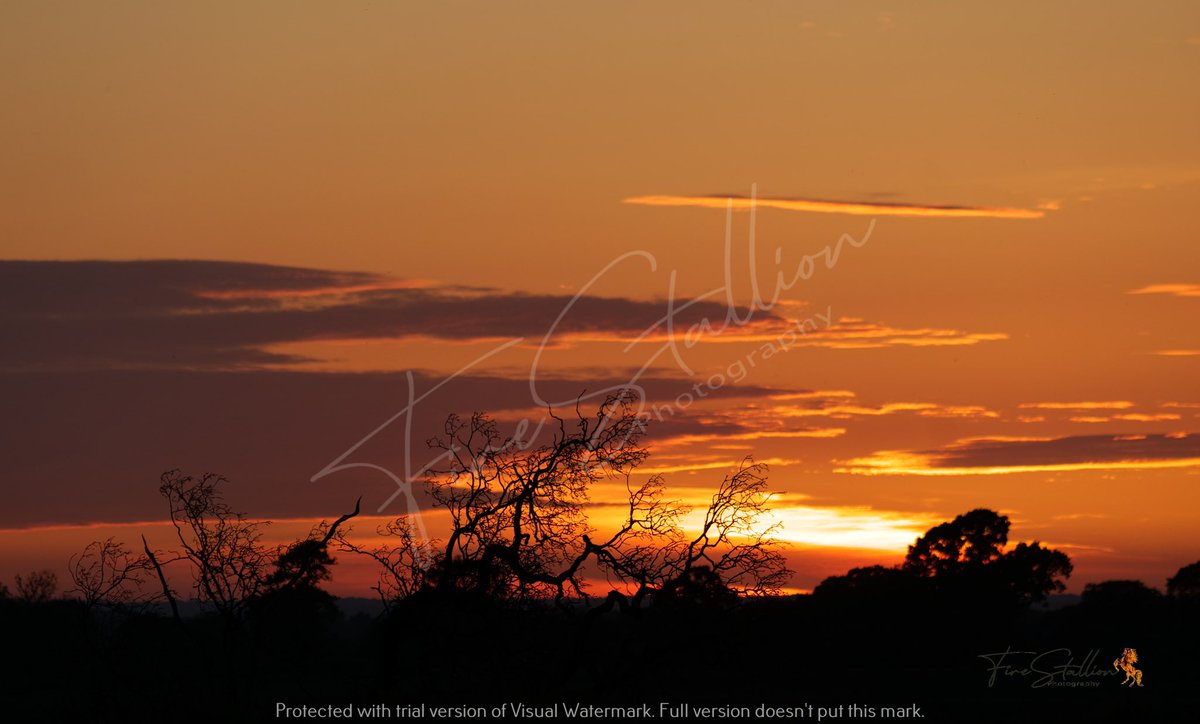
708, 426
81, 446
1000, 455
838, 410
848, 333
828, 206
812, 394
225, 315
228, 315
1175, 290
855, 333
1177, 352
91, 287
781, 413
726, 465
749, 435
1085, 405
1081, 516
1144, 417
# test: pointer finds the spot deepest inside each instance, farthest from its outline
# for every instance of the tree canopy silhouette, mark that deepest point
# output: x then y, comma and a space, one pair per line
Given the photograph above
970, 549
1120, 594
1186, 582
972, 539
966, 555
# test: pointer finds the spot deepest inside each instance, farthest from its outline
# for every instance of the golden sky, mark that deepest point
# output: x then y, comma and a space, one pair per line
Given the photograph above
423, 186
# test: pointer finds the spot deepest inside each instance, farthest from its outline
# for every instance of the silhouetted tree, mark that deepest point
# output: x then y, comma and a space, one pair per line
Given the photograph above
732, 551
964, 556
969, 551
1185, 583
230, 566
971, 539
228, 561
290, 596
402, 562
877, 582
233, 571
518, 526
37, 587
1125, 594
700, 584
106, 573
305, 563
1032, 571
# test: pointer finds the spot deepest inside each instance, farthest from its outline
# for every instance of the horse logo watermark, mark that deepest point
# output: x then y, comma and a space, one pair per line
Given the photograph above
1133, 675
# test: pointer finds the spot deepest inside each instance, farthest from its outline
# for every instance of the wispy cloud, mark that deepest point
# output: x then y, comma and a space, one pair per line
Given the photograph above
714, 465
1084, 405
1081, 516
1175, 290
831, 206
847, 333
921, 409
855, 333
699, 438
781, 411
1145, 417
995, 456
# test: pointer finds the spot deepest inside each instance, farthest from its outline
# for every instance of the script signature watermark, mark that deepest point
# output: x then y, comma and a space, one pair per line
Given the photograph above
1058, 667
669, 335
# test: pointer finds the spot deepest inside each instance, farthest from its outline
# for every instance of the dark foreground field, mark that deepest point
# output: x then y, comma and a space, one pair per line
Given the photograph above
913, 652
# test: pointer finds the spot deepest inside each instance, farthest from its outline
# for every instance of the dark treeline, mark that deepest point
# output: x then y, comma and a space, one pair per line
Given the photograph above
498, 611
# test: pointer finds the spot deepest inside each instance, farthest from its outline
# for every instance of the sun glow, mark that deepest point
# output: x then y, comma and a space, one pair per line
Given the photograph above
850, 527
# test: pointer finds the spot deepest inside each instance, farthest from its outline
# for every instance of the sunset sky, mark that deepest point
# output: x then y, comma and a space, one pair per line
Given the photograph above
230, 230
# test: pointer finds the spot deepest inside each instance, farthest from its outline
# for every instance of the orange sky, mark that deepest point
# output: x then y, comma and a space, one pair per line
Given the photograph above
1015, 328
